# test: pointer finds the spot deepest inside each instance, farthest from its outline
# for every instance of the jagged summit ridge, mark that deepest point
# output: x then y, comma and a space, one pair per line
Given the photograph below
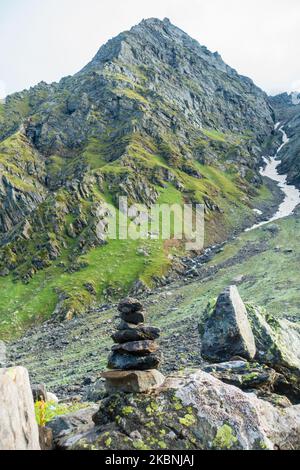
153, 32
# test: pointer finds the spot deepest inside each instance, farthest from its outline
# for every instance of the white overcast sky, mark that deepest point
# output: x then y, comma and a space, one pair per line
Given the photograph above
48, 39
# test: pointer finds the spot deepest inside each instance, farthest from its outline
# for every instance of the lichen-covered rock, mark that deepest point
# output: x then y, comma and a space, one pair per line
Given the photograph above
78, 421
18, 426
192, 411
245, 375
277, 340
278, 345
227, 331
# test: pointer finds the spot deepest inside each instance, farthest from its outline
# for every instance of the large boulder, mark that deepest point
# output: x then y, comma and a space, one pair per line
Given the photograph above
278, 345
18, 426
226, 329
277, 340
192, 411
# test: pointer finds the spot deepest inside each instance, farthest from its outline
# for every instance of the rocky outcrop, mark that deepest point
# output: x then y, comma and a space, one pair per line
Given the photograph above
278, 345
194, 411
227, 331
18, 427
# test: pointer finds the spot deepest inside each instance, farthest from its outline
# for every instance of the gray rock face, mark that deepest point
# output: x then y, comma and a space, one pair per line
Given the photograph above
18, 426
201, 411
227, 331
277, 341
265, 382
244, 374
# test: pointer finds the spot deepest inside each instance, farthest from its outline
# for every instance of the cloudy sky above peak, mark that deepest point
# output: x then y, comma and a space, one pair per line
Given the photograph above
48, 39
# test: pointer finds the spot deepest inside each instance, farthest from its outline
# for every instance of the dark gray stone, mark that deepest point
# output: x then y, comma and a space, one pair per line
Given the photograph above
130, 305
132, 362
133, 317
136, 334
136, 347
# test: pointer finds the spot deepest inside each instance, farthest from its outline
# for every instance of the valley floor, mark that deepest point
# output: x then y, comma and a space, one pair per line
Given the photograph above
264, 263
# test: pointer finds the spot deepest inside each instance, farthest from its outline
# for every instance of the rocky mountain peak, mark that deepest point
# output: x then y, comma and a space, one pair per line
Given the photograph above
154, 116
163, 40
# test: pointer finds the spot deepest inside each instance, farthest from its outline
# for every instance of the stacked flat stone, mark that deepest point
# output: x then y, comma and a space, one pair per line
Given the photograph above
134, 358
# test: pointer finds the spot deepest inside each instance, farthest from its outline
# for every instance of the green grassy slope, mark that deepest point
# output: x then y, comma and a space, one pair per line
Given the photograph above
268, 262
110, 269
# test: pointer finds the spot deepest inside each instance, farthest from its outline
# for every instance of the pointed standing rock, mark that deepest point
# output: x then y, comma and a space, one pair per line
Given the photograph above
227, 331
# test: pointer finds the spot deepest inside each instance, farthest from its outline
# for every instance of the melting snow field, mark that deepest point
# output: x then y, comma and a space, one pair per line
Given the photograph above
292, 194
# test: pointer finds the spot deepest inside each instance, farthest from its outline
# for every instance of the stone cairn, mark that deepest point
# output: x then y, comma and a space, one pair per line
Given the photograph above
134, 359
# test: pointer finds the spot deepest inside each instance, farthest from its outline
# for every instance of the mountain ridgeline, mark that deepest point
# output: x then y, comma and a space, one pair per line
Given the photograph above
155, 117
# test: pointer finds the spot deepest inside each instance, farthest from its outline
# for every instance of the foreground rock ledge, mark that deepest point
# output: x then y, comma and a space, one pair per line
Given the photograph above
18, 427
192, 411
